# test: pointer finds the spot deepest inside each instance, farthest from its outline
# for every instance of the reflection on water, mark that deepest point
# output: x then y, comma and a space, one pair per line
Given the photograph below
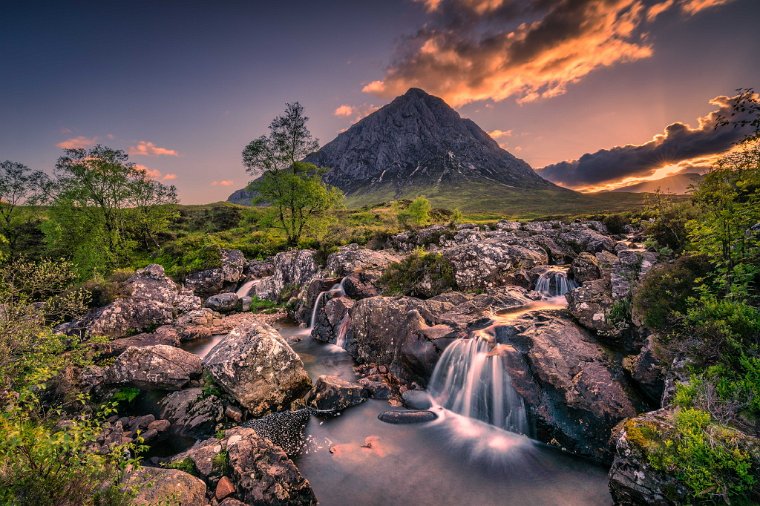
357, 459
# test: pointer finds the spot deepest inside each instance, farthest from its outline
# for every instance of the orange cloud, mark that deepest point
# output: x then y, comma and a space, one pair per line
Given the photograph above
475, 50
146, 148
155, 173
79, 142
500, 134
344, 110
695, 6
223, 182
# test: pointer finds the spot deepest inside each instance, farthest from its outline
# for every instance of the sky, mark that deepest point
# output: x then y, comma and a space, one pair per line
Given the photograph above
597, 93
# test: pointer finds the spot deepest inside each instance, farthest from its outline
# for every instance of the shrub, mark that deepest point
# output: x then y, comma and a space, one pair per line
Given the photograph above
264, 306
620, 312
420, 275
190, 254
616, 223
417, 213
662, 296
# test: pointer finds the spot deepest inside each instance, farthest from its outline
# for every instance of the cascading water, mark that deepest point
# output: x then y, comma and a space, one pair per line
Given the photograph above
553, 283
336, 291
345, 323
471, 380
245, 288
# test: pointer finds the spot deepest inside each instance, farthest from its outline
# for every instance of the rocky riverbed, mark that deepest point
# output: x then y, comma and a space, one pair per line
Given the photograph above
292, 407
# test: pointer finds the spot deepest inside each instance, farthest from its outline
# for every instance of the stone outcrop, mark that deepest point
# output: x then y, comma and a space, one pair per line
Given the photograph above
226, 302
258, 368
292, 271
574, 392
332, 318
153, 299
158, 367
166, 334
352, 258
585, 267
492, 264
212, 281
156, 485
334, 394
191, 413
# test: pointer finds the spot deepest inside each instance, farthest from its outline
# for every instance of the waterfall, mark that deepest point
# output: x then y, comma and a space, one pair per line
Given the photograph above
553, 283
471, 380
336, 291
345, 323
245, 288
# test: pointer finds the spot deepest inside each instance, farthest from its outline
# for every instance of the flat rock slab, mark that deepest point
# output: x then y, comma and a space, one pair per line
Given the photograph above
406, 417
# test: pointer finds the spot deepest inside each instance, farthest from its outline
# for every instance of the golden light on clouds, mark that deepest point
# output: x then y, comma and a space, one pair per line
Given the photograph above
155, 173
223, 182
79, 142
147, 148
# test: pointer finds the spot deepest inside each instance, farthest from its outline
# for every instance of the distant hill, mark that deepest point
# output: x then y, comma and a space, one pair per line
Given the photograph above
678, 184
418, 145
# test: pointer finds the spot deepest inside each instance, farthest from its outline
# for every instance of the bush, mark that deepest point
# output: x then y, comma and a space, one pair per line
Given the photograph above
417, 213
620, 312
420, 275
616, 223
264, 306
662, 296
192, 253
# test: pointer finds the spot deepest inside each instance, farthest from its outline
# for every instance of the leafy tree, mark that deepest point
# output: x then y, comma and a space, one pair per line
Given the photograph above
19, 185
417, 212
294, 189
104, 207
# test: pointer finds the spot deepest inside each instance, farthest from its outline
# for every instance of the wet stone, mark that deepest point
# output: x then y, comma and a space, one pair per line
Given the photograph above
406, 417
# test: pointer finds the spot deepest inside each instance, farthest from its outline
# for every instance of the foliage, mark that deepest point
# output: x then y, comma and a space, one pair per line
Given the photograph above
420, 274
300, 202
126, 395
103, 207
209, 386
705, 456
264, 306
187, 465
661, 298
221, 462
417, 213
191, 253
729, 202
616, 222
19, 185
620, 312
667, 225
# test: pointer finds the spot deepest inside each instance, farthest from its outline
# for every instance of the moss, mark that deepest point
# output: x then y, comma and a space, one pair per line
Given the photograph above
620, 312
221, 462
187, 465
420, 275
264, 306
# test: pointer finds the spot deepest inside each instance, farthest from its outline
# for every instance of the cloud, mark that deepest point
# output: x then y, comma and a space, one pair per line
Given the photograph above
146, 148
474, 50
223, 182
679, 147
344, 110
155, 173
79, 142
500, 134
695, 6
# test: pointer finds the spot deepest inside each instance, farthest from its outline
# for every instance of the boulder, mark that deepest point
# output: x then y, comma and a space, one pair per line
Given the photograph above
361, 285
406, 416
332, 318
630, 266
156, 485
191, 413
286, 429
334, 394
352, 259
223, 302
574, 392
646, 369
585, 267
590, 305
416, 399
491, 264
292, 270
582, 237
165, 334
158, 367
153, 300
211, 281
256, 269
258, 368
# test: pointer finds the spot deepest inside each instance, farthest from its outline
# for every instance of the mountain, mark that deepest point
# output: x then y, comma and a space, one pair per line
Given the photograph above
678, 184
418, 145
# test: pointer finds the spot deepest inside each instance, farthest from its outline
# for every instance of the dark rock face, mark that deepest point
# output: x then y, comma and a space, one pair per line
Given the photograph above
415, 140
163, 335
590, 304
334, 394
153, 300
406, 416
330, 317
647, 370
158, 367
212, 281
224, 302
190, 413
286, 429
585, 268
258, 368
156, 485
574, 391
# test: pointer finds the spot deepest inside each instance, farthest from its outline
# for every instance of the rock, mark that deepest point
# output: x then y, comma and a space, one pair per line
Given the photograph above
332, 318
224, 302
256, 269
646, 369
190, 413
573, 390
211, 281
224, 488
153, 300
491, 264
231, 502
406, 417
585, 267
158, 367
166, 486
590, 305
361, 285
333, 394
582, 237
233, 413
257, 367
286, 429
245, 303
292, 270
353, 259
628, 269
376, 389
262, 472
165, 334
416, 399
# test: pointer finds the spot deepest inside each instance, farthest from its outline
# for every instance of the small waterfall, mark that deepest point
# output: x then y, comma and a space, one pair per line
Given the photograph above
245, 288
336, 291
471, 380
345, 323
553, 283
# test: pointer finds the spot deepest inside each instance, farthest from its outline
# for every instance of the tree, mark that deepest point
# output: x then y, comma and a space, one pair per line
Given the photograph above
103, 207
293, 188
19, 185
417, 212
